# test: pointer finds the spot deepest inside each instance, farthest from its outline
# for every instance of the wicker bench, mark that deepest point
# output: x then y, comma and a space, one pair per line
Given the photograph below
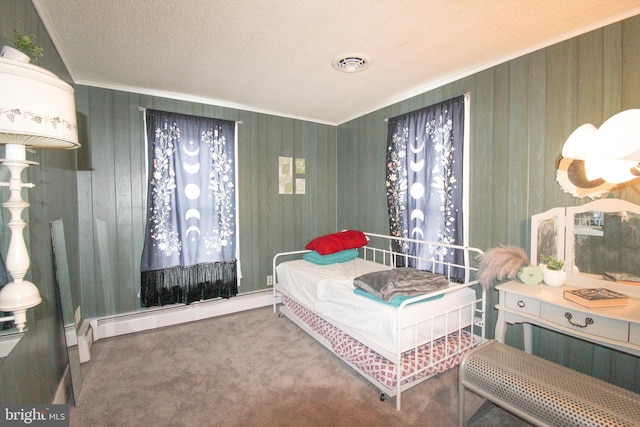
541, 392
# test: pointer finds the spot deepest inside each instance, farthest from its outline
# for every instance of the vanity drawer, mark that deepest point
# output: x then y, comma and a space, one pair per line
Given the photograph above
523, 304
634, 333
579, 321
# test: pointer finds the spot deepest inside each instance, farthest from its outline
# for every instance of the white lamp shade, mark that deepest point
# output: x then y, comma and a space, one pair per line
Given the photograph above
609, 152
613, 171
619, 137
37, 109
615, 149
580, 142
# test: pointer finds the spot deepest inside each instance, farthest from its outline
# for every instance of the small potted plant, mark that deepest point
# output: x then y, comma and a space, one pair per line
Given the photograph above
25, 48
552, 271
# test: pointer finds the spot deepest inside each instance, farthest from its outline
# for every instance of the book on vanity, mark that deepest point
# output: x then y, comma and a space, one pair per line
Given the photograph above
596, 297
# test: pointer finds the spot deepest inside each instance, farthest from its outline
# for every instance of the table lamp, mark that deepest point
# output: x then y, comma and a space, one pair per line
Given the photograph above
37, 110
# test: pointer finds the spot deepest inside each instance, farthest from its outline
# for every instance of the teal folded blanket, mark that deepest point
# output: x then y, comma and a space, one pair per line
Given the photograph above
395, 301
405, 281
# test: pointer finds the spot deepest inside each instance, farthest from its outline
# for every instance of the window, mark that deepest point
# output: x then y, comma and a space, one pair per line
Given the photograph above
190, 239
426, 175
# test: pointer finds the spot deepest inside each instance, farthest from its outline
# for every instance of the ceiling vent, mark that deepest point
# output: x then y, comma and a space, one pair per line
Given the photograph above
351, 63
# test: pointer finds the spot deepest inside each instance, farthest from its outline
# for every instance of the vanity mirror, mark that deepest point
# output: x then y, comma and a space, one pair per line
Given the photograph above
594, 238
603, 236
547, 235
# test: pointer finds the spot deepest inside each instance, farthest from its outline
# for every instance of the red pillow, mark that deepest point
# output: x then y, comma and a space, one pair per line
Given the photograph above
332, 243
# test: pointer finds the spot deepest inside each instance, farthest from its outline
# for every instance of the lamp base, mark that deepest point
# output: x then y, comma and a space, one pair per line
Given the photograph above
18, 297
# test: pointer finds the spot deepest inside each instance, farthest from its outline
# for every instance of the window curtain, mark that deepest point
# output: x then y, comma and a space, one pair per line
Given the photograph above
425, 167
189, 250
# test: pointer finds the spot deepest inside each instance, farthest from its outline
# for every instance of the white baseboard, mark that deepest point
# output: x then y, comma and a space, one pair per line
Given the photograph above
71, 335
158, 317
85, 340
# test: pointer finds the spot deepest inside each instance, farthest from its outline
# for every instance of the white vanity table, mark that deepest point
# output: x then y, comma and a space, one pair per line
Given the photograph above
560, 232
545, 306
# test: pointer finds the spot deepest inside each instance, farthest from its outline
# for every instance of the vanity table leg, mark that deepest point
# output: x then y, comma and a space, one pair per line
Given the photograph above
501, 327
527, 331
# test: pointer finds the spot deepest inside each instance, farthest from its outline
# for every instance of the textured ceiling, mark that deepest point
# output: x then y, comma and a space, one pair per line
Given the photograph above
274, 56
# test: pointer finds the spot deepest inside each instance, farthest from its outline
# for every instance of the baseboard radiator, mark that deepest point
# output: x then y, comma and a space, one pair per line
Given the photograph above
157, 317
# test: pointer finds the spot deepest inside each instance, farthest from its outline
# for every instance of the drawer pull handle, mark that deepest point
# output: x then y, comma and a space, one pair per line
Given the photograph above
521, 304
587, 320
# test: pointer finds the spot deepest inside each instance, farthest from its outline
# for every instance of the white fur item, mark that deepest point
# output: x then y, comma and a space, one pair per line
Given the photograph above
499, 264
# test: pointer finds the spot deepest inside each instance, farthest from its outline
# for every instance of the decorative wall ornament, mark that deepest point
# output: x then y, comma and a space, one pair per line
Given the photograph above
285, 175
573, 180
300, 186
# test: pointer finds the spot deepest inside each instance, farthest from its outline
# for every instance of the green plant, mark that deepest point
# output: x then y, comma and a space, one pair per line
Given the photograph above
28, 45
552, 263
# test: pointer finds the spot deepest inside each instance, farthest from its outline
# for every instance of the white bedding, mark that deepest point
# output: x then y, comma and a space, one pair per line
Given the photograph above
328, 291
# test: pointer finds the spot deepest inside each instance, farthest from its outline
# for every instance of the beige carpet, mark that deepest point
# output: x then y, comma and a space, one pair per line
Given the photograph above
249, 369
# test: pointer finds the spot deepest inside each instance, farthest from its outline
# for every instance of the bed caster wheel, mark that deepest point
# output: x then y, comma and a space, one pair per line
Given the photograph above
280, 315
382, 397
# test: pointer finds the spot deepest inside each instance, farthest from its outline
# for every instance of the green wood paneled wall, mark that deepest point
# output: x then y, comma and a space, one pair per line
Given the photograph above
32, 371
522, 111
111, 182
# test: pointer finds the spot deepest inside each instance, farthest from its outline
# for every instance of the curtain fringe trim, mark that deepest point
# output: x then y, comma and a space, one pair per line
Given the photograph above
188, 284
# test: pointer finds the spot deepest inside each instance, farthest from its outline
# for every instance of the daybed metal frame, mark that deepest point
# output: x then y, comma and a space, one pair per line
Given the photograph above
379, 250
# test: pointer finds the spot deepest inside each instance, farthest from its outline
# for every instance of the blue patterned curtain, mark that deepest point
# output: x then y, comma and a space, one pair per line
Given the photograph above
190, 239
425, 151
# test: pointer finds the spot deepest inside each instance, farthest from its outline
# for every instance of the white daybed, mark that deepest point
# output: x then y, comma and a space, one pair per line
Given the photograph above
425, 335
